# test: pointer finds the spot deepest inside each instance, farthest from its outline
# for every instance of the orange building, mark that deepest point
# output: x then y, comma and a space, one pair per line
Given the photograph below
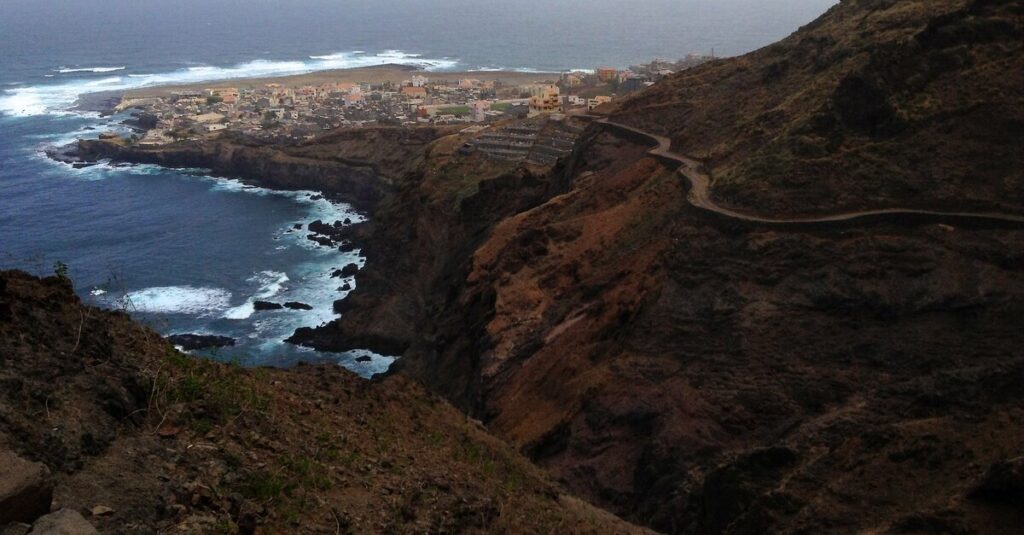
606, 74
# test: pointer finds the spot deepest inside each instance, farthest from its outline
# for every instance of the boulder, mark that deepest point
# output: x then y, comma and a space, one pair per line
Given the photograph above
191, 342
26, 489
1003, 483
320, 227
297, 226
63, 522
295, 305
322, 240
266, 305
350, 270
364, 358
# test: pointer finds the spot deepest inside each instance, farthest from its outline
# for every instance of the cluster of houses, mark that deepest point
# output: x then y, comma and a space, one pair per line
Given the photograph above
277, 112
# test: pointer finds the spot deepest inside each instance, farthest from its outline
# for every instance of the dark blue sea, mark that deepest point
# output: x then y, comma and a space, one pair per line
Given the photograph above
186, 252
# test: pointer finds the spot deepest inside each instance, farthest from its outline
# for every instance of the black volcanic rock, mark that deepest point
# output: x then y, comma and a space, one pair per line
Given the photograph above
266, 305
322, 240
297, 226
341, 306
320, 227
363, 358
295, 305
191, 342
350, 270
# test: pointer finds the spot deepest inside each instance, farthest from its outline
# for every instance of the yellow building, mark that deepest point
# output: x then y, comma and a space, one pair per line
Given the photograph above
544, 98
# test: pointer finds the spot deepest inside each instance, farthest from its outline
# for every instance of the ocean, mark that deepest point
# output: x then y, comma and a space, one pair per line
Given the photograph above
188, 253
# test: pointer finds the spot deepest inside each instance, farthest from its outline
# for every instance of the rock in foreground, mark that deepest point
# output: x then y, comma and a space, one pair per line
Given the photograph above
26, 489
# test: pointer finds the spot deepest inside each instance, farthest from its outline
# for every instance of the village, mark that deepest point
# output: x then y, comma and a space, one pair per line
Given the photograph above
278, 112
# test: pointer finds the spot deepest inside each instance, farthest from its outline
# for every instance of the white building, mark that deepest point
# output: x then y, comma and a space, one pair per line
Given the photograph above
419, 81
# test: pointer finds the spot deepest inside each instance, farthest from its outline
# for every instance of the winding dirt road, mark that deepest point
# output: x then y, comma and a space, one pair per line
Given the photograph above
700, 193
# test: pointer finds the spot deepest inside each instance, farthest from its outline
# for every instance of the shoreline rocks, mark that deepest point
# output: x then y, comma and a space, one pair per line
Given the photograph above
191, 342
266, 305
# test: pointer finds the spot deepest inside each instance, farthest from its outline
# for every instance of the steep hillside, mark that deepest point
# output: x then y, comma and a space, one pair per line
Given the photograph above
878, 103
143, 439
701, 374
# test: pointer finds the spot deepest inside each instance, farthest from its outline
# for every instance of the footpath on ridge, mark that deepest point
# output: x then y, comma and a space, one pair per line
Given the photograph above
700, 193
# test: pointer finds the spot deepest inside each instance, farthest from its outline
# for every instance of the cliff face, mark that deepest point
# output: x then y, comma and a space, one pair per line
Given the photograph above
163, 441
878, 103
704, 375
352, 165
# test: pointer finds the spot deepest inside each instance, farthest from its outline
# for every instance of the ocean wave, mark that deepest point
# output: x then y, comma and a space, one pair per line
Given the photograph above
179, 300
90, 69
271, 283
60, 98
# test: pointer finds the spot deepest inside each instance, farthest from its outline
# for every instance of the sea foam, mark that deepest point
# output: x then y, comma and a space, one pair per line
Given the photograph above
90, 69
178, 300
271, 283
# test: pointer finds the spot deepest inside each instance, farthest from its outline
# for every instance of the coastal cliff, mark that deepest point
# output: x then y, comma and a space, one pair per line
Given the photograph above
356, 166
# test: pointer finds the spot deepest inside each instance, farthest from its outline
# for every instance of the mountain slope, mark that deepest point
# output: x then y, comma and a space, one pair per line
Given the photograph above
877, 104
174, 443
705, 375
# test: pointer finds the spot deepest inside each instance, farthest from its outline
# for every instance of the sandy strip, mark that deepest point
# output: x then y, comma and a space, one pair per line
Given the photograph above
373, 75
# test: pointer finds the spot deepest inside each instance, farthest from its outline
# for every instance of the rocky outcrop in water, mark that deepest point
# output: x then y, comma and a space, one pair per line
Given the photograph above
192, 342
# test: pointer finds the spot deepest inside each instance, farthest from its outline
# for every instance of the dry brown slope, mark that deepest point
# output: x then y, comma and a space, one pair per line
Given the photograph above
709, 378
174, 443
877, 104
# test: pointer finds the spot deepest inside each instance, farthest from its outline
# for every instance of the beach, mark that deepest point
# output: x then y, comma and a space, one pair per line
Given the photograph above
374, 75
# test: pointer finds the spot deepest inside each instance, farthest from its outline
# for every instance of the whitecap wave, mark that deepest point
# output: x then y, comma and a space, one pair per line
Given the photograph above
271, 283
179, 300
90, 69
60, 98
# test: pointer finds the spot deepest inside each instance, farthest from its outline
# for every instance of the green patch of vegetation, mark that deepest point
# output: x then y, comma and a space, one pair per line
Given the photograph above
262, 486
454, 110
223, 391
501, 106
308, 473
224, 526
